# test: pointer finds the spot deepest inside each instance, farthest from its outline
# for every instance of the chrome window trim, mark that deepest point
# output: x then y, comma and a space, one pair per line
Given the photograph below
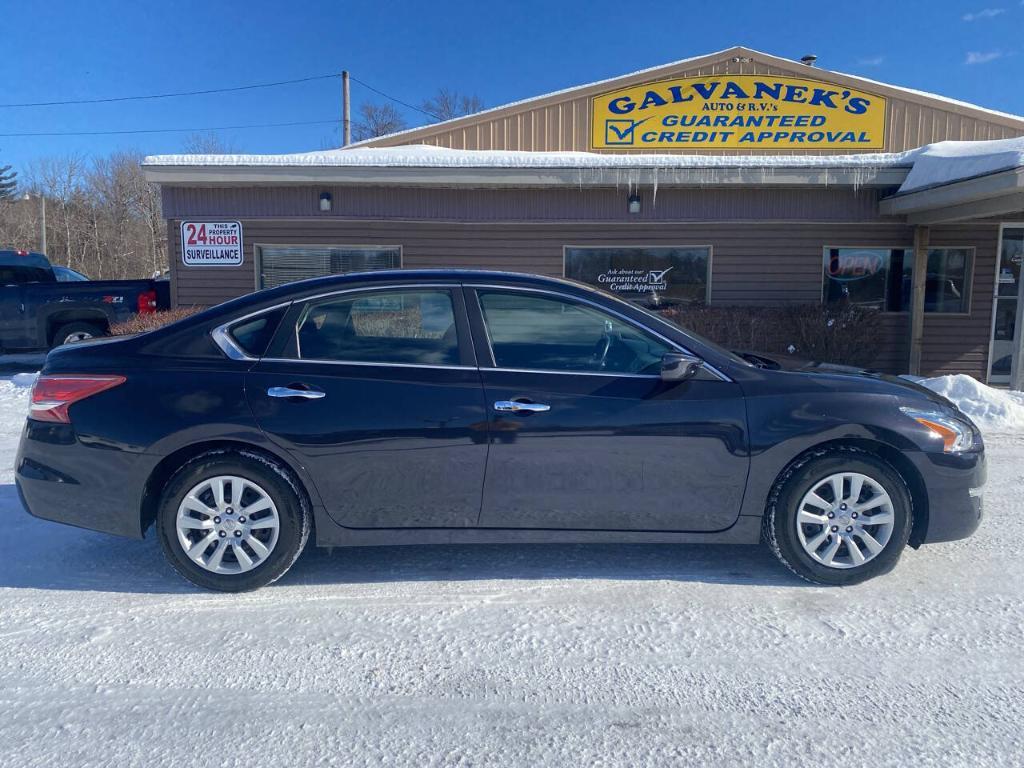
627, 320
227, 344
222, 337
367, 363
548, 372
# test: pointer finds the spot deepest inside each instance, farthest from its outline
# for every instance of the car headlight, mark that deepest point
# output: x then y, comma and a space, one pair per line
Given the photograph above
956, 435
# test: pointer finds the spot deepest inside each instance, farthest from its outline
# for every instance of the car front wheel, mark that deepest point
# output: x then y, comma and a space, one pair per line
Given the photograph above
839, 517
232, 521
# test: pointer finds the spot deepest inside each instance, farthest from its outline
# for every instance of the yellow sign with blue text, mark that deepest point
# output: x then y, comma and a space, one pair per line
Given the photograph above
755, 112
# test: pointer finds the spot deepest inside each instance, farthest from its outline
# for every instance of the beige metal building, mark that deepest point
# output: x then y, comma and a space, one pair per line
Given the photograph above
732, 178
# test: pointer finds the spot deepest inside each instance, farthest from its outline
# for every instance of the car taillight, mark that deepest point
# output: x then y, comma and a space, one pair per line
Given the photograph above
147, 302
53, 395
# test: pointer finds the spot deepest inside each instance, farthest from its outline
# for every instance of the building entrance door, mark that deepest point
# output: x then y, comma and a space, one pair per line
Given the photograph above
1004, 311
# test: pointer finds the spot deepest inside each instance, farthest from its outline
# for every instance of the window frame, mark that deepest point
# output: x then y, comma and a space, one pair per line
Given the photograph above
487, 361
286, 337
711, 260
257, 250
969, 276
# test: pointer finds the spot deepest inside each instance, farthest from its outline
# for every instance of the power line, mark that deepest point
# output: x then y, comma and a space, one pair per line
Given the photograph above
172, 130
397, 101
172, 95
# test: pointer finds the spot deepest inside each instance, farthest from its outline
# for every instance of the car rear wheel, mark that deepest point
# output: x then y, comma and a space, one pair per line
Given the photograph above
72, 332
232, 521
839, 517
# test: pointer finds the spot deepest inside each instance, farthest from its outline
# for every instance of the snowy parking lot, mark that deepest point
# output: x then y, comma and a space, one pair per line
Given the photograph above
521, 655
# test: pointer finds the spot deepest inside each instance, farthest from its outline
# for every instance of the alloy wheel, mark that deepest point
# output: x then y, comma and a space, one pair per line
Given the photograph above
227, 524
845, 520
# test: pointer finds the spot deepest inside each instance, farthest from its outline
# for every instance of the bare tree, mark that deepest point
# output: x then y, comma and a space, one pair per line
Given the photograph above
447, 104
103, 218
207, 143
377, 120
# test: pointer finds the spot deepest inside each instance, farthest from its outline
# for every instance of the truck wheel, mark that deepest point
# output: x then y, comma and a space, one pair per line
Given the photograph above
72, 332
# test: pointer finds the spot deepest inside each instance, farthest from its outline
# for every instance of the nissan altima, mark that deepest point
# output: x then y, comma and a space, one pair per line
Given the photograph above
413, 407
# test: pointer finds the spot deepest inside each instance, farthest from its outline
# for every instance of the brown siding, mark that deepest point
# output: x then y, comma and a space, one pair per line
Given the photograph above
601, 204
912, 122
753, 264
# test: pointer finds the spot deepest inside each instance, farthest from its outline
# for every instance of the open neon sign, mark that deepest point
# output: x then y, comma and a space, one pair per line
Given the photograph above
854, 265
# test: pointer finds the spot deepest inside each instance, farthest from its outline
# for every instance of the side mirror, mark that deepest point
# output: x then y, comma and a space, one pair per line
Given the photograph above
677, 366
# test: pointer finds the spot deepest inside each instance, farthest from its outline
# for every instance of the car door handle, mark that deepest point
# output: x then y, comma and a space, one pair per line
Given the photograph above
305, 394
518, 406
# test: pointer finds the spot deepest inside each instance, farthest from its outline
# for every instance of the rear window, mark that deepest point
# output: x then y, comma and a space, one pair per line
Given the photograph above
21, 275
254, 334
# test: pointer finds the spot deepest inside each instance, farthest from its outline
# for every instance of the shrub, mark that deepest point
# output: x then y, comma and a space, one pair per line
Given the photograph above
151, 321
825, 333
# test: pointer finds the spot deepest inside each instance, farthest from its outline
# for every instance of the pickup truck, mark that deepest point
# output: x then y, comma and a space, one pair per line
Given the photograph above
39, 312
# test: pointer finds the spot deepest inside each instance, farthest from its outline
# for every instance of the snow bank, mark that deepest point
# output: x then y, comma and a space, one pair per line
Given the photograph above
993, 410
947, 161
14, 398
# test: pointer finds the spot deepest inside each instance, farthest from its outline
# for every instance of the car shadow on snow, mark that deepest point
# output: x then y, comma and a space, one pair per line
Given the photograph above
36, 554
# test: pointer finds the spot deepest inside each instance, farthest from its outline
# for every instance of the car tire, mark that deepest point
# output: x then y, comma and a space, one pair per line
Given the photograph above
805, 518
253, 552
72, 332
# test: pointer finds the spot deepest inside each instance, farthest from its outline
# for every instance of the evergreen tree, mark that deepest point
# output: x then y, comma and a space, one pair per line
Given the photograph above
8, 182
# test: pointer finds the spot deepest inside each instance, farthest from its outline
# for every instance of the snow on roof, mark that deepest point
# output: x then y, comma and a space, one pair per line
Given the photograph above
424, 156
950, 161
932, 165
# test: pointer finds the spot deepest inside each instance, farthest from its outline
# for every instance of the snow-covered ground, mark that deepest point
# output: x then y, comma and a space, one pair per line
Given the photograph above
519, 655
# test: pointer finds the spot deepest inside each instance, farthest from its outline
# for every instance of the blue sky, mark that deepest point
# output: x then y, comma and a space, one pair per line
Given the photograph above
498, 51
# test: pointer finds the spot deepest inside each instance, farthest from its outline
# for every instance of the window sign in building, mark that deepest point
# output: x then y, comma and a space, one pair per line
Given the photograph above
649, 275
882, 278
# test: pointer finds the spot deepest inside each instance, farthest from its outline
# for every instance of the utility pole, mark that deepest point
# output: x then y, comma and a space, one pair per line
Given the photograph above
346, 111
42, 219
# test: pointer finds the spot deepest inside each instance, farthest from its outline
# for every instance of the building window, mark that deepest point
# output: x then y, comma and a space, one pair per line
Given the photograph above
405, 326
882, 278
280, 264
650, 275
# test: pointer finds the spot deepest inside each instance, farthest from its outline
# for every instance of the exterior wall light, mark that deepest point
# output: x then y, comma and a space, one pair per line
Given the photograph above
633, 204
325, 201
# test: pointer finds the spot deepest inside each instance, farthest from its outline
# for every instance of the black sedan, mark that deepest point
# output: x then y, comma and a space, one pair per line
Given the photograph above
417, 407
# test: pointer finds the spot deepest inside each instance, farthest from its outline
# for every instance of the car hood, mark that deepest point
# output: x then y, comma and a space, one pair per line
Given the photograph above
857, 377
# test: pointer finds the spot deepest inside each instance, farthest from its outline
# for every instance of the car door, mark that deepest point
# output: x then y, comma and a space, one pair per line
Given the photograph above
12, 319
377, 393
585, 434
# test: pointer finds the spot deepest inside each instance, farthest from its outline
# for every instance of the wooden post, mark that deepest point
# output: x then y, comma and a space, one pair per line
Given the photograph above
920, 280
346, 111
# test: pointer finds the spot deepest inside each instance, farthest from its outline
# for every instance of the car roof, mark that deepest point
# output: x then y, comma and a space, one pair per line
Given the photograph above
305, 288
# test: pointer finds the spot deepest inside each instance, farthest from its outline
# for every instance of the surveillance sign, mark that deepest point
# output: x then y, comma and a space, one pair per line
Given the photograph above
211, 243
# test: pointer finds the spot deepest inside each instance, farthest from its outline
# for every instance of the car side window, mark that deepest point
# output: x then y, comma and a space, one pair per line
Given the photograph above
549, 333
403, 326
